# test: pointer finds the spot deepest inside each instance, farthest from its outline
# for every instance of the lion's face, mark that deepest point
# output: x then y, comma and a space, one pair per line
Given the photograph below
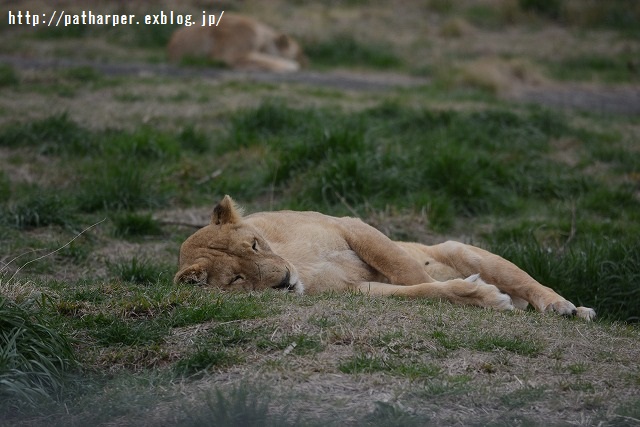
289, 48
231, 254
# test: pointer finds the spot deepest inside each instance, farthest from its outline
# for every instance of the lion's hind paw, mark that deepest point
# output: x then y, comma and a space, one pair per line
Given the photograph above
490, 295
566, 308
586, 313
562, 307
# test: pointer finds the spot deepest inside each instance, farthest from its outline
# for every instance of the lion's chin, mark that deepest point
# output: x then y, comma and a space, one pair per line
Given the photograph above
290, 283
297, 287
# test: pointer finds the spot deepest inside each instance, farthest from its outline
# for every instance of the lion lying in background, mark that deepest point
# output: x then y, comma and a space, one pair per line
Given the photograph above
310, 252
239, 42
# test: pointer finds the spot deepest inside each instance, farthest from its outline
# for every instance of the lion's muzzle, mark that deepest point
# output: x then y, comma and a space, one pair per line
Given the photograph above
285, 283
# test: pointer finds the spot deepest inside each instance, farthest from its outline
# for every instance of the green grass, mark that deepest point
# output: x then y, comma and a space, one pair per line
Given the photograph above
38, 209
364, 363
5, 187
206, 358
448, 161
132, 329
138, 270
210, 307
455, 166
145, 306
344, 50
196, 61
131, 225
445, 386
608, 69
602, 275
147, 36
50, 135
35, 358
577, 368
523, 396
244, 405
617, 15
551, 9
445, 341
120, 184
8, 76
486, 16
110, 331
523, 346
83, 74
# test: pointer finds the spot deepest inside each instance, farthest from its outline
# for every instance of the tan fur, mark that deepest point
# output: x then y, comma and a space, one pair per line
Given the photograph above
240, 42
310, 252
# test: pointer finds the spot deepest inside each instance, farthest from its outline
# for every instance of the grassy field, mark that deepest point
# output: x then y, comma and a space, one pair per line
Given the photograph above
102, 177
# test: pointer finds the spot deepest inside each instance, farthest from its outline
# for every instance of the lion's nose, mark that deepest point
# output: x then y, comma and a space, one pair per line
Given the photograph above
284, 284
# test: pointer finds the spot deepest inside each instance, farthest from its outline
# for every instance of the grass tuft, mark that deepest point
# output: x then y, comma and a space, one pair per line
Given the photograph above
226, 308
39, 209
35, 358
52, 135
523, 346
240, 406
204, 359
113, 331
523, 396
139, 271
603, 275
130, 225
120, 184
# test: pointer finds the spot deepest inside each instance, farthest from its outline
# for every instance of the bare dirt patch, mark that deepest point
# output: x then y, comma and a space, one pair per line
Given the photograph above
512, 81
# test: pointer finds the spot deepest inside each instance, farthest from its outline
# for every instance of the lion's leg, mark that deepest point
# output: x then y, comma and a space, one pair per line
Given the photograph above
383, 254
506, 276
263, 61
469, 291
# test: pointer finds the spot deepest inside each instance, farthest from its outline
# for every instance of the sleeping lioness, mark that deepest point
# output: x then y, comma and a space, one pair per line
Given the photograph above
239, 42
308, 252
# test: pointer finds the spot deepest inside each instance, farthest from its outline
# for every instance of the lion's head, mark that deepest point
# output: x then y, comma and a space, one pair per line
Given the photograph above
231, 254
288, 48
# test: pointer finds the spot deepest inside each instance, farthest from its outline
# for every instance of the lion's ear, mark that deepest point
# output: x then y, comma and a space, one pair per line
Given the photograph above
226, 212
193, 274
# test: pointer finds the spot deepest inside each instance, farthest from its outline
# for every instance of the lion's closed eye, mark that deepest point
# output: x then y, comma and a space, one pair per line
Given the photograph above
255, 245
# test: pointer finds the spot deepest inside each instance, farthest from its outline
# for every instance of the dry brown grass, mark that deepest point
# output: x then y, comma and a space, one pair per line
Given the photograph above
501, 77
575, 377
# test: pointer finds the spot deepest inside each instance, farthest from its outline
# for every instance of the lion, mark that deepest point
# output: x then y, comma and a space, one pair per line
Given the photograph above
309, 252
239, 42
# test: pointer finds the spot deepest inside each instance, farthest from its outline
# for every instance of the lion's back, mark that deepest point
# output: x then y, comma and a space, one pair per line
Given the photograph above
315, 244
